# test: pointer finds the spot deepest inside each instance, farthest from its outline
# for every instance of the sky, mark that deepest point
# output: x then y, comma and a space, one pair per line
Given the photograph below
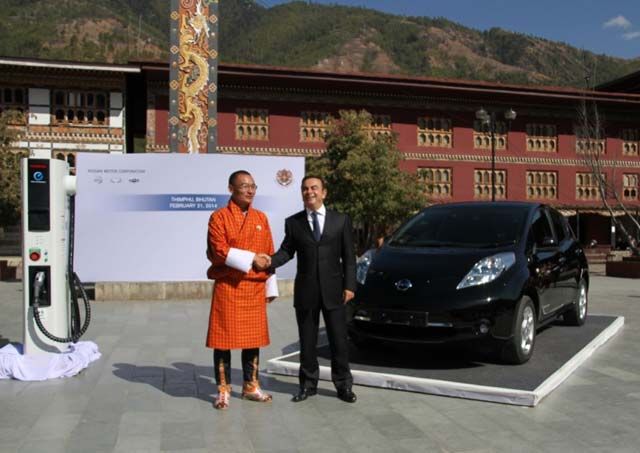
610, 27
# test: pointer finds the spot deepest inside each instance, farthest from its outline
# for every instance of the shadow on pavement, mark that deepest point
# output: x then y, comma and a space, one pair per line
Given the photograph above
186, 380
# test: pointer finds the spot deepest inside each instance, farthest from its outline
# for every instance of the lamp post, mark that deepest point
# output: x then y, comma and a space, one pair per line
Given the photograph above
489, 119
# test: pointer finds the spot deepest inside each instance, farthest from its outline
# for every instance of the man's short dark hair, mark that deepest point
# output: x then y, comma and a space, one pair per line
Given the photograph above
232, 178
313, 177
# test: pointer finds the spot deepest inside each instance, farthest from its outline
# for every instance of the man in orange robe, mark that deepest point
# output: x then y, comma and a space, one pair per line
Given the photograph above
237, 240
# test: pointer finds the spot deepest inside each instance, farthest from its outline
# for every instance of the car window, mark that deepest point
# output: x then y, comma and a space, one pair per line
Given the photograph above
462, 226
559, 225
540, 228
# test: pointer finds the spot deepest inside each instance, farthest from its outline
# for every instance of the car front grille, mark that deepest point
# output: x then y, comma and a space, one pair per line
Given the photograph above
406, 333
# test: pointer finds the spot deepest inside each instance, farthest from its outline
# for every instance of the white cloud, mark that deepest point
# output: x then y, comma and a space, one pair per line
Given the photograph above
617, 22
631, 35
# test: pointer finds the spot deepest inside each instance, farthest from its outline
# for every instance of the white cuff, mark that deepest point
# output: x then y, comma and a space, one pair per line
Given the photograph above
272, 286
239, 259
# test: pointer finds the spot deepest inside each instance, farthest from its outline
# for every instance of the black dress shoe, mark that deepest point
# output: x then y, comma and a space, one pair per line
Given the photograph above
303, 394
347, 395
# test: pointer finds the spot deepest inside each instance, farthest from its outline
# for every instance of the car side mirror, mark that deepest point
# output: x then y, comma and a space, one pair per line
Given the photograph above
546, 242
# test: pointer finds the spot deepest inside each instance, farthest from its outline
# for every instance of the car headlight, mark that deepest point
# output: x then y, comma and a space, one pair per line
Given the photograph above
362, 266
488, 269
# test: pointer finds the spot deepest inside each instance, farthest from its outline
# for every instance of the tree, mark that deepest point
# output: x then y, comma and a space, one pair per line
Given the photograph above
364, 179
590, 136
10, 192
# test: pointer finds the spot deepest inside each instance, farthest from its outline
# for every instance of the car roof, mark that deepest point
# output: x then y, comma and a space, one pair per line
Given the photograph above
524, 205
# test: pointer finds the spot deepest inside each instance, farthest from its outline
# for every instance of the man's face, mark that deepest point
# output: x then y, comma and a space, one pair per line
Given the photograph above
243, 190
313, 193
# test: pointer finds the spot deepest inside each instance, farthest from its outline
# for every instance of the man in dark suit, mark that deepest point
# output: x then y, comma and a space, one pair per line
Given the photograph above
325, 281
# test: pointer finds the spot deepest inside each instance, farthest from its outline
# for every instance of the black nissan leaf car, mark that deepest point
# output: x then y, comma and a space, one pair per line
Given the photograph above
476, 270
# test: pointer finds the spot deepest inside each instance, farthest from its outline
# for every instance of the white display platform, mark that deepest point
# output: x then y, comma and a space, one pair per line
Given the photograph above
286, 366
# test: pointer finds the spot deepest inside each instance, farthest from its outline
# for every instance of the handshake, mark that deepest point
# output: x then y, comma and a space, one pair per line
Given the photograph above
261, 261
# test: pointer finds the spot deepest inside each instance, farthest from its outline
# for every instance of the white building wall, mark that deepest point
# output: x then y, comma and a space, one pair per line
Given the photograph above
39, 106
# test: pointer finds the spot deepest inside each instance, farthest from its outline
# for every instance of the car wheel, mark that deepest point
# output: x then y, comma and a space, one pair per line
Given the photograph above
519, 348
577, 314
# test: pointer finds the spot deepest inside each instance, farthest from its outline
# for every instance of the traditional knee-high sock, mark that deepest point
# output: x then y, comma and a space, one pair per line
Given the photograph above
250, 364
222, 366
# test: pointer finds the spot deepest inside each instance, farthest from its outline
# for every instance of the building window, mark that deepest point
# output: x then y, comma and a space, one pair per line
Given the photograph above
630, 142
542, 185
14, 99
482, 135
542, 137
437, 181
587, 186
252, 124
80, 107
380, 125
67, 156
435, 132
313, 126
590, 146
482, 184
630, 186
586, 144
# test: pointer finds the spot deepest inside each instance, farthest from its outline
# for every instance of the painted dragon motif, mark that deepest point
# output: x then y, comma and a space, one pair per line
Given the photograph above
194, 75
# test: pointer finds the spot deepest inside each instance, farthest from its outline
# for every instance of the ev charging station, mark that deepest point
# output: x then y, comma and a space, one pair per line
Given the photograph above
51, 312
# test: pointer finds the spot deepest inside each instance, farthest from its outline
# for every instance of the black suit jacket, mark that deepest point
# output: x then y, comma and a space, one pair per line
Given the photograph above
326, 267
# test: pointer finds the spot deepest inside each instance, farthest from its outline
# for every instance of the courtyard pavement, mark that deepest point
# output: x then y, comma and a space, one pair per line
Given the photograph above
152, 391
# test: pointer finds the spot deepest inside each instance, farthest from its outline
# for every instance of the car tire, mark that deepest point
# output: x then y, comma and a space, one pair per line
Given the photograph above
519, 348
577, 314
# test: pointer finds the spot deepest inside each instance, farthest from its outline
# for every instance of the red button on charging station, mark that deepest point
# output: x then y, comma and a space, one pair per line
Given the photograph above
35, 256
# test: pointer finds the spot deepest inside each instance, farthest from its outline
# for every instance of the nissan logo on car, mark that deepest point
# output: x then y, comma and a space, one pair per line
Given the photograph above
403, 285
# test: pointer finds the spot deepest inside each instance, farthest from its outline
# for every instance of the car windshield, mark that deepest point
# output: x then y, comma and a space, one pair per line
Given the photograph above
463, 226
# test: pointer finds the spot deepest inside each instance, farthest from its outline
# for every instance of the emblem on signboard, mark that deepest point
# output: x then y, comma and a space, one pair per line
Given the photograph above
284, 177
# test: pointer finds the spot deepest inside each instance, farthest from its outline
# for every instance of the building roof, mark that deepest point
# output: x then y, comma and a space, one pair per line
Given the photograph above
70, 65
629, 83
298, 78
619, 91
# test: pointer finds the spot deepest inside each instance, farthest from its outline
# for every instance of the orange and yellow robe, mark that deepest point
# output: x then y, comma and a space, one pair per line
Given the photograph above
238, 318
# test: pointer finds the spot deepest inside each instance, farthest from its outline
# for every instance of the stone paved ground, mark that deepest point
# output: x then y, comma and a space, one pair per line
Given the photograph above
152, 391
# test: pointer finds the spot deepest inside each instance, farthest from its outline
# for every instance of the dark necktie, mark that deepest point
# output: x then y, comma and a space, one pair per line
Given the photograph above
316, 226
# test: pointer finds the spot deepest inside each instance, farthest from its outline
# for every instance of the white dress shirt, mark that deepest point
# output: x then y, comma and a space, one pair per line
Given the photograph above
322, 214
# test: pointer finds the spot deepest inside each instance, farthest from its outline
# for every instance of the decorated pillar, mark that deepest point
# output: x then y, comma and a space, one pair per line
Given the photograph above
193, 98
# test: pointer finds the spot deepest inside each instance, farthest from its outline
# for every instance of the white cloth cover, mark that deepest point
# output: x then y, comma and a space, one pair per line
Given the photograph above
239, 259
40, 367
272, 286
242, 260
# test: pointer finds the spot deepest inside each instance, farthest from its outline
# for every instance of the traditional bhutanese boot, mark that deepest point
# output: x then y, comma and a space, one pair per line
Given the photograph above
222, 398
224, 388
251, 391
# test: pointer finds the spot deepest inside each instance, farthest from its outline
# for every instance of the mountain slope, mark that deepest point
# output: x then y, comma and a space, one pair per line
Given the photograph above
300, 34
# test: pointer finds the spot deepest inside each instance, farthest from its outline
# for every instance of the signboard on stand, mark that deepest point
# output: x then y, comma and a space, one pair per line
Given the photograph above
143, 217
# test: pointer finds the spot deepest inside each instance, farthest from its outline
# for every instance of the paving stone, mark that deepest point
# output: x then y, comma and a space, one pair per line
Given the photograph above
180, 436
38, 446
153, 389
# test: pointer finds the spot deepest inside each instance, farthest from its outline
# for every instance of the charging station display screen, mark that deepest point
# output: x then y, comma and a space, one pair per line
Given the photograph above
143, 217
39, 198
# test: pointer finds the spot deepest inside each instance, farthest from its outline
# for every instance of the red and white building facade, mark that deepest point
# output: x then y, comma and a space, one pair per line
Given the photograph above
284, 111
